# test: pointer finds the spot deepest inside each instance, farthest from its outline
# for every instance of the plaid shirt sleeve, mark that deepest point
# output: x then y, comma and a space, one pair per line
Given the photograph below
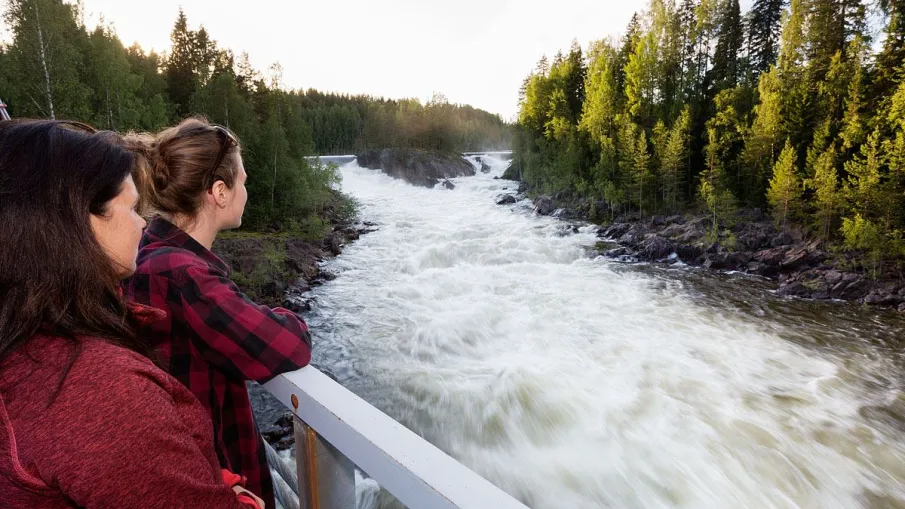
244, 340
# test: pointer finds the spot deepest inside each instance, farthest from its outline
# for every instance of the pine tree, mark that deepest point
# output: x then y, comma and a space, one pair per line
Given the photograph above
894, 149
641, 79
762, 143
602, 95
627, 48
763, 33
853, 125
797, 99
792, 43
181, 74
888, 63
864, 170
672, 172
785, 190
641, 175
825, 184
575, 82
687, 24
713, 189
730, 40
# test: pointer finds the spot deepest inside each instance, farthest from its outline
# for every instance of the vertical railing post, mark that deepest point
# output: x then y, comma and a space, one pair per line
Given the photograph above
326, 476
4, 115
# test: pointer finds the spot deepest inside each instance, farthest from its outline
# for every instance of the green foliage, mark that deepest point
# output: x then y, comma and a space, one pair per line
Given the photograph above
673, 161
54, 68
863, 235
795, 111
827, 198
785, 190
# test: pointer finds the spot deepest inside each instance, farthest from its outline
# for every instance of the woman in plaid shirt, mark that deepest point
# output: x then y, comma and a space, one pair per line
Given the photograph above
214, 338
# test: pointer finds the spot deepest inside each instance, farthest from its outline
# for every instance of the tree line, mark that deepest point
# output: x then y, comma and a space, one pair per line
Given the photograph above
55, 67
699, 106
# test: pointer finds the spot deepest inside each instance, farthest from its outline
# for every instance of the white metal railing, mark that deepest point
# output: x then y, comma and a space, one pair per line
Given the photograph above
335, 431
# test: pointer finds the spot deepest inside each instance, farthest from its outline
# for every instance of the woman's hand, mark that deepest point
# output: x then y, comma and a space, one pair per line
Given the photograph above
242, 491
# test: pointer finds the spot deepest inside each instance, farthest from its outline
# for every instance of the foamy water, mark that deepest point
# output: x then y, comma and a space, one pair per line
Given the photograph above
575, 382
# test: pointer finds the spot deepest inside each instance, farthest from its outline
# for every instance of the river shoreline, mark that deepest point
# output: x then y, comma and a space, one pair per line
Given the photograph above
800, 265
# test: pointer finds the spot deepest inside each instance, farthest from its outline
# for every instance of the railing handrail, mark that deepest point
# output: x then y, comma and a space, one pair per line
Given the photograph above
416, 472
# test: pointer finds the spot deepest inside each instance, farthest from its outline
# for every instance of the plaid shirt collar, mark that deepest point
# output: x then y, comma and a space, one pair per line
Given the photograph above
161, 231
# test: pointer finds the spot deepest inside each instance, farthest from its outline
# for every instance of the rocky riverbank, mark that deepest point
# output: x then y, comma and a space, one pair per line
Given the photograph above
802, 266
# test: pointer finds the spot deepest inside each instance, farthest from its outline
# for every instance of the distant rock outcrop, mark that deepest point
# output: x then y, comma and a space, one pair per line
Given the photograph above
417, 167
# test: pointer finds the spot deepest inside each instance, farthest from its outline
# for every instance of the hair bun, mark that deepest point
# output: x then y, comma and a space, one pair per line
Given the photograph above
150, 161
160, 172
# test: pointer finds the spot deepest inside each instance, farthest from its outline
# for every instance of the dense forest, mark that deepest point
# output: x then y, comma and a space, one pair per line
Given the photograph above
55, 67
798, 107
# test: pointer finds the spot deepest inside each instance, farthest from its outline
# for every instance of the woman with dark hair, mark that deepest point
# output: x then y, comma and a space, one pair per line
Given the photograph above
214, 338
86, 419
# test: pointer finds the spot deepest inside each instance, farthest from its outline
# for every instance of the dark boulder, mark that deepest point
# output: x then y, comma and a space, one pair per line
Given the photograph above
794, 289
448, 185
616, 252
832, 277
634, 236
883, 297
763, 270
298, 305
656, 248
505, 199
803, 256
725, 261
689, 253
615, 230
772, 257
544, 205
782, 239
752, 240
333, 244
674, 230
851, 290
485, 168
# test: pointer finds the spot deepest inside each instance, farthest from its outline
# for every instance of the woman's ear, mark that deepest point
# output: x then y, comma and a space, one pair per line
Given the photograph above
220, 193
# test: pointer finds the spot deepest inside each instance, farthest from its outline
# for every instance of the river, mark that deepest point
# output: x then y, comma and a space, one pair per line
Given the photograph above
575, 382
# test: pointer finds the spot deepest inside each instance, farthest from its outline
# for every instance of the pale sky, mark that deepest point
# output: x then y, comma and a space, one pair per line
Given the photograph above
474, 51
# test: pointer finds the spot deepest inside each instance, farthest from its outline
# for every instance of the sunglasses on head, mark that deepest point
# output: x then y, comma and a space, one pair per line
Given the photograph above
76, 126
227, 141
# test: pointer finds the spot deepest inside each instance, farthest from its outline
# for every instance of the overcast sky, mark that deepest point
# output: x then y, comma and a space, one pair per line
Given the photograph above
474, 51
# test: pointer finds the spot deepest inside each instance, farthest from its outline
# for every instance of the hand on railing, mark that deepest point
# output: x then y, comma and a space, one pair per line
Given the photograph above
235, 482
242, 493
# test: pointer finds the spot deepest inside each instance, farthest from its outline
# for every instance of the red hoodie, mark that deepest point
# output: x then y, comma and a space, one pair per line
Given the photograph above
121, 433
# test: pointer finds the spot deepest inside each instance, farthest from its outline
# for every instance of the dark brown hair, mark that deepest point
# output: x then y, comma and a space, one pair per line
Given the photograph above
176, 166
54, 275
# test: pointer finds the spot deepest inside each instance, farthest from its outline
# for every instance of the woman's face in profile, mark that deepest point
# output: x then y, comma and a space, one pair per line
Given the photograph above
118, 230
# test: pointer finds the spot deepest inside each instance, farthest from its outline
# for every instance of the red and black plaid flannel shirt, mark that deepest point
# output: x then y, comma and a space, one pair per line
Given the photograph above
214, 339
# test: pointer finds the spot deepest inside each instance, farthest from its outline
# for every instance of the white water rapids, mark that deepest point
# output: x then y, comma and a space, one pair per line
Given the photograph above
575, 382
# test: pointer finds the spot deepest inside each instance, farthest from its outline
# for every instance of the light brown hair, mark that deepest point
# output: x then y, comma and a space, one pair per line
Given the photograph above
175, 167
